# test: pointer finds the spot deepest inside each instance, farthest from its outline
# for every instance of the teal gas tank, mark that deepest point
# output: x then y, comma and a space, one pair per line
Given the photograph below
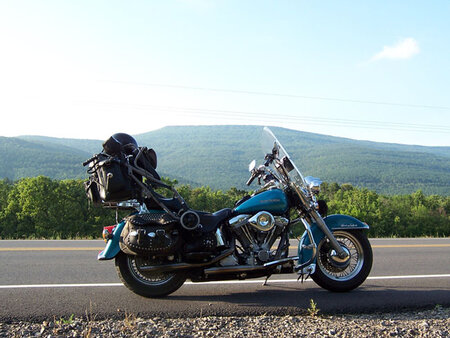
273, 201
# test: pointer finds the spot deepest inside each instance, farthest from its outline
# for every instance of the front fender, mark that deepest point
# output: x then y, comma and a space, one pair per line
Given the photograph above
334, 223
112, 246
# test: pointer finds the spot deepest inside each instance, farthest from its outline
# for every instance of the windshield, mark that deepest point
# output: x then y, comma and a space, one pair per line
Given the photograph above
281, 159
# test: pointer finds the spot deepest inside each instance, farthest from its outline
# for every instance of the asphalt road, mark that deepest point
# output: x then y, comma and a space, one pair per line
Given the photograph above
53, 279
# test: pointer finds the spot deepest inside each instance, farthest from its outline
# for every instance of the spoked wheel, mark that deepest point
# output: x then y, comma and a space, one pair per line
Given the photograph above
343, 274
144, 283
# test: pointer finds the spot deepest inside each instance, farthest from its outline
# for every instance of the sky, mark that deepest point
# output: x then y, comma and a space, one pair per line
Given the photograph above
367, 70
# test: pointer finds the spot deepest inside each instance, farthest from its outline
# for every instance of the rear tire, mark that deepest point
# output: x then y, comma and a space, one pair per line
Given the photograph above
144, 283
343, 276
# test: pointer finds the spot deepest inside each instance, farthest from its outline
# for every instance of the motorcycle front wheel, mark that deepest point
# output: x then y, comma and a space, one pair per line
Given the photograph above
144, 283
340, 275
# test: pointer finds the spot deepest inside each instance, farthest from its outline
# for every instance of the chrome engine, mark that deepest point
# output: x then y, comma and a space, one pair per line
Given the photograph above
257, 234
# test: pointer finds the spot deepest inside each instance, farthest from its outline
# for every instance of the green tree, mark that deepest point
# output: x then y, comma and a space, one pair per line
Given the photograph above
40, 207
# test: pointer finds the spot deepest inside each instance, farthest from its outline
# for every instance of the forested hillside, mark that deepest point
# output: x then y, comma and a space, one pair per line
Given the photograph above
218, 156
86, 146
21, 158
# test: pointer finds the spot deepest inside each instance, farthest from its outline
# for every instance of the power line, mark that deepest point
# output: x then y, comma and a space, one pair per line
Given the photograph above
322, 98
271, 118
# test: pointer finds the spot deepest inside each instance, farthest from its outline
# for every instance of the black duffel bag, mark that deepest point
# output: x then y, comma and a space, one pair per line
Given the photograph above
109, 180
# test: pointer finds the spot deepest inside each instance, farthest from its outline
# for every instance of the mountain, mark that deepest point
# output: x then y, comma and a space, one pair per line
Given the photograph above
86, 146
22, 158
218, 156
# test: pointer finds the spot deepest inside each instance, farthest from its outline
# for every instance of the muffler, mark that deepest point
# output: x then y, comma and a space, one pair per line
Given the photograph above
185, 266
232, 269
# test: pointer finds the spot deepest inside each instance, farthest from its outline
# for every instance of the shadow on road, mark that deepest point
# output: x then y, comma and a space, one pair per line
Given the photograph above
212, 300
289, 300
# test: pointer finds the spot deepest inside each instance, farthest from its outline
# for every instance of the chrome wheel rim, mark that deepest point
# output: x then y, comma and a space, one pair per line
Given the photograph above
150, 278
355, 262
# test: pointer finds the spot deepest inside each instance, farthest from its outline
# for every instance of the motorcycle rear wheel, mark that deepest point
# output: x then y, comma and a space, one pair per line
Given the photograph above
144, 283
343, 275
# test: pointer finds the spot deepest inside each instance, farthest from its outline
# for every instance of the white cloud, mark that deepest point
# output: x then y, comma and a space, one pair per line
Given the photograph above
405, 49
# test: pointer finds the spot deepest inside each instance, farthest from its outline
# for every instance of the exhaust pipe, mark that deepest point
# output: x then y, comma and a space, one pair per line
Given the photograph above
245, 268
232, 269
184, 266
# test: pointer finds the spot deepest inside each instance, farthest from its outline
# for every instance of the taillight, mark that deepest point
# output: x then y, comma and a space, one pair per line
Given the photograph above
107, 233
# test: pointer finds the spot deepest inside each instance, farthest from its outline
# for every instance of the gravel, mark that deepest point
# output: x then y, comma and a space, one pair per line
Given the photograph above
427, 323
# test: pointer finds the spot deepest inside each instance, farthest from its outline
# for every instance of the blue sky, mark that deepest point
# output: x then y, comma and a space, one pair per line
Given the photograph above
372, 70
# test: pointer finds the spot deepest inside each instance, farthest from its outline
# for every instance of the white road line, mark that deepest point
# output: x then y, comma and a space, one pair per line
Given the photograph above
33, 286
409, 277
257, 281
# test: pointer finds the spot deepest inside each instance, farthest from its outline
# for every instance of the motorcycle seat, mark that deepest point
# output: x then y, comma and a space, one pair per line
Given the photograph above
172, 204
211, 220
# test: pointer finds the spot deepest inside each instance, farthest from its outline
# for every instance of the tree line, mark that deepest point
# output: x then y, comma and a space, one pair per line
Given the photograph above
40, 207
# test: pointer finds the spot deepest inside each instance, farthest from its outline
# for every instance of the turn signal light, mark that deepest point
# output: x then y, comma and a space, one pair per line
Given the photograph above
107, 233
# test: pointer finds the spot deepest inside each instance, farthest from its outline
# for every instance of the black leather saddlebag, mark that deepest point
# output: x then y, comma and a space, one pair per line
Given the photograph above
150, 234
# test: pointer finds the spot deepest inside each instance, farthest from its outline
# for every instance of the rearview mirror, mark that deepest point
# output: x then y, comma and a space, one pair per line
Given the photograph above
252, 166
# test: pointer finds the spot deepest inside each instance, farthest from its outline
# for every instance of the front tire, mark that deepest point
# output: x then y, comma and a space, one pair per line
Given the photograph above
343, 275
144, 283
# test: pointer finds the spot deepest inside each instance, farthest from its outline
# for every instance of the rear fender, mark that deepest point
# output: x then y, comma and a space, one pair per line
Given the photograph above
334, 223
112, 246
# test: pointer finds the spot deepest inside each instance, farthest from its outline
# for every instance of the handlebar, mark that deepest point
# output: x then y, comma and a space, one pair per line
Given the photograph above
261, 172
251, 178
268, 159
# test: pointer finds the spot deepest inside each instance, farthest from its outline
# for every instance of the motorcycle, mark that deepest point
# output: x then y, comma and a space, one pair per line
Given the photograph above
163, 242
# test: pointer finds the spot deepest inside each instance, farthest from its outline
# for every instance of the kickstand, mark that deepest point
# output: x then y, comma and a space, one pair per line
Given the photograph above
301, 277
267, 278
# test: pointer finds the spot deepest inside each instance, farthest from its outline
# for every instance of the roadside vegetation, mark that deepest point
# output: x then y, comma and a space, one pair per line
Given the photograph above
41, 207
